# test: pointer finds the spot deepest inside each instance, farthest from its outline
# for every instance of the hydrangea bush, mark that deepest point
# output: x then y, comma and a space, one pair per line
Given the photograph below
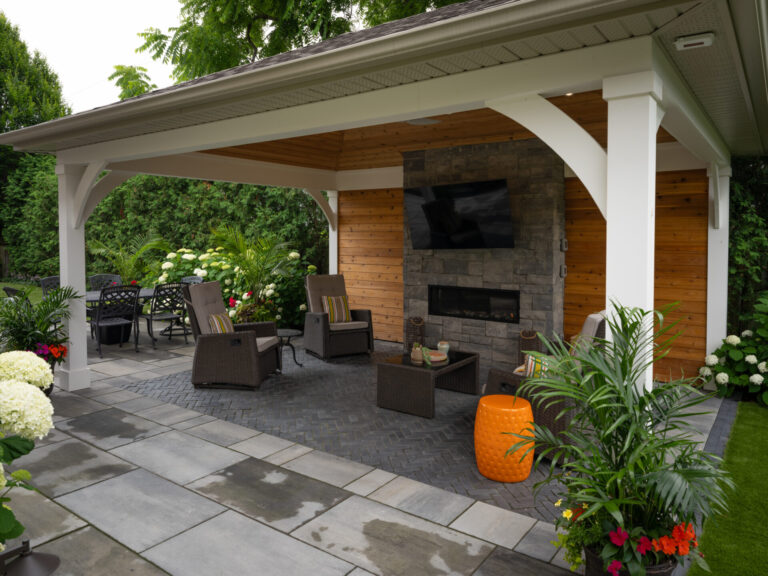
25, 414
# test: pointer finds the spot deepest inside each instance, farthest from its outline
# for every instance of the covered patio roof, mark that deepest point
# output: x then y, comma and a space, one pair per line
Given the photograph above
336, 116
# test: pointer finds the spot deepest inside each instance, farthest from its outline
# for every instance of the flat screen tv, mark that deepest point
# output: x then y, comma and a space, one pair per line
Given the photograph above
460, 216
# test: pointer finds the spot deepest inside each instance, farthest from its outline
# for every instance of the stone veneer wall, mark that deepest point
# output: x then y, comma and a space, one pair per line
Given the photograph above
535, 180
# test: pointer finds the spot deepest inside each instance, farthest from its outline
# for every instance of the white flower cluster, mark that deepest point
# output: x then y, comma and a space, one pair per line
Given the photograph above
750, 359
711, 360
170, 256
294, 256
188, 256
24, 410
746, 334
303, 307
201, 272
27, 367
756, 379
167, 265
733, 340
763, 367
705, 372
722, 378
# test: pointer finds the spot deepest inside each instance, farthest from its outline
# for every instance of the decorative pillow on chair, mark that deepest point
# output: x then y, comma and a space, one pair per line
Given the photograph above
534, 367
337, 308
220, 323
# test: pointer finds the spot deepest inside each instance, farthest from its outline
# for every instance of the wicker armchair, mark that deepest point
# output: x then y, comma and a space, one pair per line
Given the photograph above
506, 382
325, 339
239, 359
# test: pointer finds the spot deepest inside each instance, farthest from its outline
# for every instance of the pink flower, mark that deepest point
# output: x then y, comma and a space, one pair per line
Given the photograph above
614, 567
644, 545
619, 536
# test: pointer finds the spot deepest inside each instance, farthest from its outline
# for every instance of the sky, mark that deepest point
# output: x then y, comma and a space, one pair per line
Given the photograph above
82, 41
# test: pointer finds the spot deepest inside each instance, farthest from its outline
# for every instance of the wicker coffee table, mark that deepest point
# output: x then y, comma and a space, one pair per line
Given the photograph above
410, 388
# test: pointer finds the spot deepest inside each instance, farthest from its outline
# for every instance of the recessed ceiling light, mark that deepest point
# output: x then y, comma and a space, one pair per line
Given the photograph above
695, 41
569, 93
422, 122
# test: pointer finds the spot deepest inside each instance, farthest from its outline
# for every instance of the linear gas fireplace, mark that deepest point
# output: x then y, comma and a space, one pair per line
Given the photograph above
475, 303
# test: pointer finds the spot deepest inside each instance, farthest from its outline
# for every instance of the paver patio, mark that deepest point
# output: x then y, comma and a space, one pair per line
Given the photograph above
133, 484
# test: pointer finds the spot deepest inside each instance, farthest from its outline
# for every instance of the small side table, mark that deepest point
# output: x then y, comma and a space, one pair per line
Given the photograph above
497, 414
285, 335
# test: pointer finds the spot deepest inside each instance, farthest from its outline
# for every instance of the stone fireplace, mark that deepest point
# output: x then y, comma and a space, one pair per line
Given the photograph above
526, 281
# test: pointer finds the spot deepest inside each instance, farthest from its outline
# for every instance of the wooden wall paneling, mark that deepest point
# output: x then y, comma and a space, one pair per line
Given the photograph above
371, 256
681, 262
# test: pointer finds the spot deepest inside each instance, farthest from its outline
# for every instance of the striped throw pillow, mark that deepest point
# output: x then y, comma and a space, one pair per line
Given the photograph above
220, 323
337, 308
534, 367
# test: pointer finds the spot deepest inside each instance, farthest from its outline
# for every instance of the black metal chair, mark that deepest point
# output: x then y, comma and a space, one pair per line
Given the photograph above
99, 281
192, 280
49, 283
118, 308
167, 306
10, 292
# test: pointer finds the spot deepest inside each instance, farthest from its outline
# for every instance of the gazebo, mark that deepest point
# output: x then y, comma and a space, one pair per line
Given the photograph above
617, 119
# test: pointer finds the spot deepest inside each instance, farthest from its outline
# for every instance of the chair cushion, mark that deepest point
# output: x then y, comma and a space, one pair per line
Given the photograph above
339, 326
337, 308
323, 285
534, 367
266, 342
220, 323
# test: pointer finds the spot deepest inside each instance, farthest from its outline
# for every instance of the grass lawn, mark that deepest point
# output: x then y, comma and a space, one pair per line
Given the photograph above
35, 295
736, 544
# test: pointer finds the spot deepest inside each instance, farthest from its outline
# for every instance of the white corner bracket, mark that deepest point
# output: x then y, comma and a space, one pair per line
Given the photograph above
328, 210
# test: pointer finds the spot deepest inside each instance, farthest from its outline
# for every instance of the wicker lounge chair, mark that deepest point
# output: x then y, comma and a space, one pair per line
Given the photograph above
239, 359
508, 382
325, 339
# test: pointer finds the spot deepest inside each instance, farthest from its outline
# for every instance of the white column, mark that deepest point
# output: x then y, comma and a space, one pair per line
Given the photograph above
717, 255
73, 374
333, 234
633, 119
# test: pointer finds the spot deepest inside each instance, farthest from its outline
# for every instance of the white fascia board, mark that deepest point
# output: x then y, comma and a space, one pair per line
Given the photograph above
225, 169
546, 75
684, 117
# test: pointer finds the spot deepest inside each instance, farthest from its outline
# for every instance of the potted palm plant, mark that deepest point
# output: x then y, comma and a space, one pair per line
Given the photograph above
36, 327
633, 479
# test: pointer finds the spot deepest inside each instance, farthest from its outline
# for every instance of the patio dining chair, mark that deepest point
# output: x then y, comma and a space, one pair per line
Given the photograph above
99, 281
49, 283
10, 292
118, 308
167, 305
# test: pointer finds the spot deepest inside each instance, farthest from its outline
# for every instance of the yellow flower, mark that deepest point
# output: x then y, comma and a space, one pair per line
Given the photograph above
558, 503
567, 514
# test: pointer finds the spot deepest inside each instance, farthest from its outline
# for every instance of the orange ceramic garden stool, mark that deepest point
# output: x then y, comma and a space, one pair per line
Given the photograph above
496, 414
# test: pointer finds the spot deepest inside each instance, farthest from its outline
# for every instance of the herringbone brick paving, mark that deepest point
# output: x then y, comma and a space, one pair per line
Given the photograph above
331, 406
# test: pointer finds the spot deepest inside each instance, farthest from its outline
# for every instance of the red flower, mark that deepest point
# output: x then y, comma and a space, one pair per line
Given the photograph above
668, 545
683, 547
578, 512
683, 532
614, 567
644, 545
619, 536
55, 351
133, 282
250, 293
232, 302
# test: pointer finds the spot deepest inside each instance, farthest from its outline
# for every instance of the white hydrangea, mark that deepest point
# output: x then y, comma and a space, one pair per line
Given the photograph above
3, 480
294, 255
167, 265
756, 379
303, 307
705, 372
219, 248
24, 410
269, 293
280, 309
170, 256
763, 367
226, 266
277, 317
733, 340
722, 378
711, 360
237, 269
188, 256
246, 295
202, 273
210, 250
203, 256
163, 279
750, 359
27, 367
228, 282
232, 313
272, 287
746, 334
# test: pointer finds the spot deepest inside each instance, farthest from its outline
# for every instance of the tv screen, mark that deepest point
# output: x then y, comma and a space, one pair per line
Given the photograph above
460, 216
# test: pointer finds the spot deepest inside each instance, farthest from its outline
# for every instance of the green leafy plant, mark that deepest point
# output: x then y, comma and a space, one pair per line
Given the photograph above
129, 259
632, 475
27, 326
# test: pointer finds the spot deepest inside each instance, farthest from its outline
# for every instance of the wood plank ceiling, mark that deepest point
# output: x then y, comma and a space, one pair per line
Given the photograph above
382, 145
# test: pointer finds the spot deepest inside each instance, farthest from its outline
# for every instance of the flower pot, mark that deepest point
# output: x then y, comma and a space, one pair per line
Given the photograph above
115, 334
594, 566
